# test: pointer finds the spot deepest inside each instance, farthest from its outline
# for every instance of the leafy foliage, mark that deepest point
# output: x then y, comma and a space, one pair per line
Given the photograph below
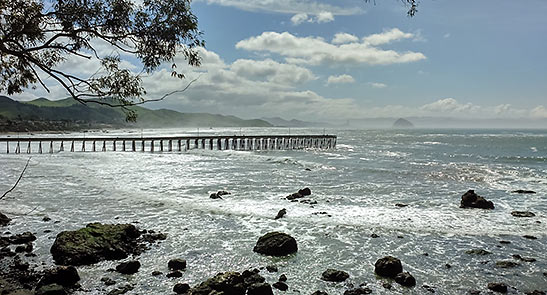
36, 36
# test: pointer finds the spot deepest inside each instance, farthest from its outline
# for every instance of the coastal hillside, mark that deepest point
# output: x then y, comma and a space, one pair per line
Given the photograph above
44, 114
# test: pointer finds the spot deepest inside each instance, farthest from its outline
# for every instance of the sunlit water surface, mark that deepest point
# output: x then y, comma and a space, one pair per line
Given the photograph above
357, 184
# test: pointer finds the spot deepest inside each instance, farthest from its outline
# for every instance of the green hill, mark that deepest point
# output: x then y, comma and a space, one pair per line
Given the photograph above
70, 110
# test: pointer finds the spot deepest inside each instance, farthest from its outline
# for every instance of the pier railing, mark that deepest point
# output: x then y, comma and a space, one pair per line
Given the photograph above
41, 145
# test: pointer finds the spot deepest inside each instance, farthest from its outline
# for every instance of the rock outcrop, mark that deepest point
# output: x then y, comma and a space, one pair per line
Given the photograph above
333, 275
388, 266
4, 220
276, 244
471, 200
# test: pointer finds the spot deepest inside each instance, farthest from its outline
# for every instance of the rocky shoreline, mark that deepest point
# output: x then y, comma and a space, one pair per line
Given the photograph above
98, 242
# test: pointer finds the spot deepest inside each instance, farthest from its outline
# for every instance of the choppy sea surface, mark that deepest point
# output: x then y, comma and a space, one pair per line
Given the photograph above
357, 184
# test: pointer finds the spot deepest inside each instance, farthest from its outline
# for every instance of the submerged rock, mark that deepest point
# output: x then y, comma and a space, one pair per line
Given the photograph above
51, 289
294, 196
305, 191
388, 266
521, 191
276, 244
525, 259
333, 275
478, 252
129, 267
4, 220
529, 237
260, 289
228, 283
94, 243
523, 214
65, 276
176, 264
471, 200
498, 287
506, 264
280, 286
23, 238
358, 291
181, 288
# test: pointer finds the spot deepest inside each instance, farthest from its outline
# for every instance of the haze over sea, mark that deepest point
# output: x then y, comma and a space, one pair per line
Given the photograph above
357, 185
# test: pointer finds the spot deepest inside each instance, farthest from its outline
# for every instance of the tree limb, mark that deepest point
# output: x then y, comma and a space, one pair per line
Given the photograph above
17, 182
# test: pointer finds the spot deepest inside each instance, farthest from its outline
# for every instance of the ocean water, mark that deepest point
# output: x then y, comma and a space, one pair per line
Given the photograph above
357, 185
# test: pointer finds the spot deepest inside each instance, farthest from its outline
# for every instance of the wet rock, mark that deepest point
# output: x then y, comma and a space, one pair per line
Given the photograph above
271, 268
260, 289
52, 289
333, 275
174, 274
358, 291
181, 288
280, 286
108, 281
521, 191
4, 220
294, 196
276, 244
228, 283
121, 290
506, 264
405, 279
65, 276
523, 214
497, 287
154, 237
374, 236
428, 288
129, 267
387, 286
319, 293
176, 264
447, 266
525, 259
473, 292
388, 266
219, 194
23, 238
281, 213
46, 219
157, 273
94, 243
401, 205
471, 200
535, 292
282, 278
252, 277
529, 237
505, 242
477, 252
305, 191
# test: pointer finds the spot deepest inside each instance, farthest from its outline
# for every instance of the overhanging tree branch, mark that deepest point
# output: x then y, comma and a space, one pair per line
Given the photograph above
17, 182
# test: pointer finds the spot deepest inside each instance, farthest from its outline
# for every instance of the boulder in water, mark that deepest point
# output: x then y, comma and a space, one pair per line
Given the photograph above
388, 266
405, 279
333, 275
522, 191
129, 267
276, 244
281, 213
471, 200
523, 214
498, 287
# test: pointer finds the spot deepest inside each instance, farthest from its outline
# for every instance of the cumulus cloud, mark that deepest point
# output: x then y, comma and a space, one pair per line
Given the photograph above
273, 71
342, 79
539, 112
288, 6
377, 85
322, 17
386, 36
449, 105
316, 51
502, 108
342, 38
299, 18
325, 17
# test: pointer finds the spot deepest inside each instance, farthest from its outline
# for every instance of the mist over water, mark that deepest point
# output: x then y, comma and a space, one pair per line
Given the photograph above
357, 184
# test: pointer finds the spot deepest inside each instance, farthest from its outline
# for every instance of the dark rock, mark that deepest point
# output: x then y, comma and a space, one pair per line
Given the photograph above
121, 290
276, 244
506, 264
388, 266
4, 220
181, 288
498, 287
157, 273
129, 267
223, 193
46, 219
252, 277
219, 194
176, 264
405, 279
153, 237
521, 191
358, 291
228, 283
294, 196
108, 281
214, 196
525, 259
471, 200
6, 252
478, 252
260, 289
529, 237
473, 292
271, 268
523, 214
94, 243
174, 274
282, 278
281, 213
535, 292
52, 289
401, 205
428, 288
333, 275
374, 236
387, 286
505, 242
280, 286
320, 293
305, 191
23, 238
447, 266
66, 276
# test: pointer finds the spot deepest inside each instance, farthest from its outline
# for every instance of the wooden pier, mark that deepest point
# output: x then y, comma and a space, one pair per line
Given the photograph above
27, 145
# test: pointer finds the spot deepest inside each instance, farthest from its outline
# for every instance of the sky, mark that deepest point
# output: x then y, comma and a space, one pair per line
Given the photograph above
319, 60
